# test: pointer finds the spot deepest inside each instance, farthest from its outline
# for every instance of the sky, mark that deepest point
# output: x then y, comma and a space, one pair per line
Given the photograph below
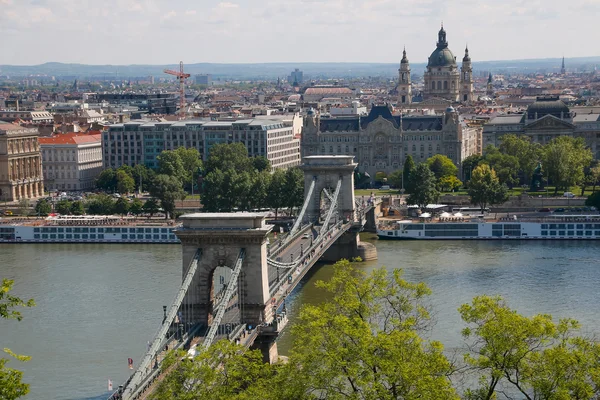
255, 31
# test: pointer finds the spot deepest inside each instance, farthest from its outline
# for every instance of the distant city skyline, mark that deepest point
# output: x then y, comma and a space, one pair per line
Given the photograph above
123, 32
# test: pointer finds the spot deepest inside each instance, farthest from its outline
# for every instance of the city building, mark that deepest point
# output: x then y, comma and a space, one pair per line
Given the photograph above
203, 79
545, 119
442, 78
296, 77
33, 117
153, 103
141, 142
20, 163
380, 142
71, 161
318, 93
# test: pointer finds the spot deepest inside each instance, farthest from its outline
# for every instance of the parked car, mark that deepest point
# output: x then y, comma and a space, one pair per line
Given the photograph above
559, 210
385, 187
569, 195
545, 209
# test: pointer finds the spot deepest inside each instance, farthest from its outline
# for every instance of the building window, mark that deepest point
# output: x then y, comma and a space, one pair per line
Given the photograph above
439, 85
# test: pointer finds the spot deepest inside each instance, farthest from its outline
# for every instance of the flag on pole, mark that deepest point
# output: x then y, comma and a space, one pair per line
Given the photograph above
110, 385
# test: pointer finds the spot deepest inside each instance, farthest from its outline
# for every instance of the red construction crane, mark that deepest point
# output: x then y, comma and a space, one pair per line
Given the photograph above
181, 76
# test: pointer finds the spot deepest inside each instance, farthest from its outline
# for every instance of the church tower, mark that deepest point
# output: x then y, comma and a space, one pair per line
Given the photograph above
404, 87
490, 87
563, 70
466, 79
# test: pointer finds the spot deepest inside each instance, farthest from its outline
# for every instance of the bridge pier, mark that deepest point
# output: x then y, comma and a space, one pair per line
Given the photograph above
349, 246
371, 220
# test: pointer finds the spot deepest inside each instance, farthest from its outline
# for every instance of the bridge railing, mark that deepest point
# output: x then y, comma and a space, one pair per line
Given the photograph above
164, 335
313, 252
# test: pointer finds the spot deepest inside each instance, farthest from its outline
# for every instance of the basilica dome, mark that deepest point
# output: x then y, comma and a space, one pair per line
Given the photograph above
442, 56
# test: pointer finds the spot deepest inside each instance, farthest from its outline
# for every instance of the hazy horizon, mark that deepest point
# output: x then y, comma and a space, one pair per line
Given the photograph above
159, 32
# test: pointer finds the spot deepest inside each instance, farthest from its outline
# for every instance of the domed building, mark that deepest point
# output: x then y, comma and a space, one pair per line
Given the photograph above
442, 79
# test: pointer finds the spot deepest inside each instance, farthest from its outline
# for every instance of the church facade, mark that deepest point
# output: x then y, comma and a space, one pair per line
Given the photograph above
442, 77
380, 142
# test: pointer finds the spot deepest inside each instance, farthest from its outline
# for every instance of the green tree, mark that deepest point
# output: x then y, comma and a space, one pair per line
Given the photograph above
538, 357
228, 156
136, 207
11, 385
593, 200
43, 208
594, 177
364, 342
261, 163
293, 188
121, 206
527, 153
77, 208
151, 206
506, 166
192, 164
101, 204
241, 375
276, 196
167, 189
423, 186
260, 189
469, 164
407, 171
565, 158
125, 182
395, 179
107, 180
485, 188
380, 177
63, 207
170, 164
142, 176
449, 183
441, 166
24, 207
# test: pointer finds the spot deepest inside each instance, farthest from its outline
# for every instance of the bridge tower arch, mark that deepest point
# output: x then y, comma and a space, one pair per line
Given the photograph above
220, 237
325, 171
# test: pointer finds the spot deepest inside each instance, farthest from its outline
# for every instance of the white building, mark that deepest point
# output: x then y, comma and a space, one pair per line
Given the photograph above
71, 161
141, 142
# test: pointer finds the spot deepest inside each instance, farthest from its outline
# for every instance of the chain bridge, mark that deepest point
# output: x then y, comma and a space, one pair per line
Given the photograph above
235, 280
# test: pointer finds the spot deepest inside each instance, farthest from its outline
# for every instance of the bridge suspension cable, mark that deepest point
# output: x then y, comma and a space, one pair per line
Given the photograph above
161, 337
226, 298
333, 205
307, 200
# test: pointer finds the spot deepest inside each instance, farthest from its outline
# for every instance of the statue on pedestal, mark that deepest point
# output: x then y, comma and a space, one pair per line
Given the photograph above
537, 180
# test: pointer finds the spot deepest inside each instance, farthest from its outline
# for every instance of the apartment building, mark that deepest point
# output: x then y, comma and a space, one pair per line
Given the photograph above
142, 141
71, 161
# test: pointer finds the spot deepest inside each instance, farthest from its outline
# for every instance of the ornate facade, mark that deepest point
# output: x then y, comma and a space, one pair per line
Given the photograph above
380, 142
545, 120
20, 163
442, 78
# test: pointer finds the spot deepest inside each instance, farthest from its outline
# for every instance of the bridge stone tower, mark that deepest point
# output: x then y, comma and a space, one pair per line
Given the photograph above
220, 236
326, 171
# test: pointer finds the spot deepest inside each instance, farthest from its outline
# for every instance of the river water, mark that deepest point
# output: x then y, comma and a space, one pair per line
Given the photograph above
99, 304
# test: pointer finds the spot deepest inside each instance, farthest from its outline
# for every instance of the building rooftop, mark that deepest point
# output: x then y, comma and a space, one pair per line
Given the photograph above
507, 119
71, 138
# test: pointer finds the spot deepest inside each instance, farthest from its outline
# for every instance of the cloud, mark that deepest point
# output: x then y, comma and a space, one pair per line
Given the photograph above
293, 30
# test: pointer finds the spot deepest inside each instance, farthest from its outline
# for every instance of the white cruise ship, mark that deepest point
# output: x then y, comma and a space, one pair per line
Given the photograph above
87, 229
564, 227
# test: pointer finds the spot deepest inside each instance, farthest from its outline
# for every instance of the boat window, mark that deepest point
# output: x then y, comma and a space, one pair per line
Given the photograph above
579, 233
570, 233
588, 233
561, 233
544, 233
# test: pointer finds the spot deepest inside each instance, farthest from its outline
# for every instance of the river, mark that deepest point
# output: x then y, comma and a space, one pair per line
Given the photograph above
99, 304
